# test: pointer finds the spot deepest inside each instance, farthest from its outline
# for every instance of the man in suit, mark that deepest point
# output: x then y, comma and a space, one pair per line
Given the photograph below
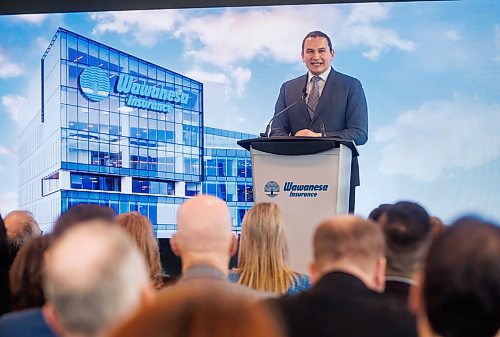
408, 234
205, 243
348, 276
334, 104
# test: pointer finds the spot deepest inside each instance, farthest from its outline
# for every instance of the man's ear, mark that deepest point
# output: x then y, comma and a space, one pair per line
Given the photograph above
415, 301
313, 273
234, 246
173, 246
50, 315
379, 277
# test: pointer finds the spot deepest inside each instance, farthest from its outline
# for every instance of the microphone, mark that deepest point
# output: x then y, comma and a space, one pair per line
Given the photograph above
322, 126
268, 126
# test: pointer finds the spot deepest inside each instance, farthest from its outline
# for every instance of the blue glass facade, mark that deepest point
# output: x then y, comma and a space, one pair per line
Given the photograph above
125, 133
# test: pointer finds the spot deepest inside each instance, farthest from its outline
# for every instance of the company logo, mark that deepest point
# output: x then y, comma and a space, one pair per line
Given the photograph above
94, 83
271, 188
304, 190
149, 97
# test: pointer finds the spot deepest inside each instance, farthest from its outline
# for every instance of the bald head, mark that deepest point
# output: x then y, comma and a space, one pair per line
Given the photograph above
21, 227
351, 244
94, 278
203, 227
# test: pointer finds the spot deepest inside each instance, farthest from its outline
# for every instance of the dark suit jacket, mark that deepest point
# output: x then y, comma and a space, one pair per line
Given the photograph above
340, 305
341, 109
397, 293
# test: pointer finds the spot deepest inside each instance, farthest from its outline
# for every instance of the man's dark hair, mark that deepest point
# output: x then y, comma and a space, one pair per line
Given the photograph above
82, 213
377, 212
317, 33
461, 286
408, 234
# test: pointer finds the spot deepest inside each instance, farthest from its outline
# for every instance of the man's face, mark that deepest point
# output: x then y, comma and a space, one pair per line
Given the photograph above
317, 55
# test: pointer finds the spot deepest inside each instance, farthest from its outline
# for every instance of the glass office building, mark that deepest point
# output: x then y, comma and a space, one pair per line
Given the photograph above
119, 131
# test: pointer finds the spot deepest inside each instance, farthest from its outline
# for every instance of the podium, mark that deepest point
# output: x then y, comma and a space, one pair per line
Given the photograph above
308, 178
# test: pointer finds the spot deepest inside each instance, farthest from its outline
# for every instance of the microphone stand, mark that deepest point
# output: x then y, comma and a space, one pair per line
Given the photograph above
268, 126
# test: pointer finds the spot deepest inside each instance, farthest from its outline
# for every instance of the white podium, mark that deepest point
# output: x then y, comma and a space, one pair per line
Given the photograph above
308, 178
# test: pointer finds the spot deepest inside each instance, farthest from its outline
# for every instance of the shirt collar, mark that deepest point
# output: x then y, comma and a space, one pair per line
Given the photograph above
323, 76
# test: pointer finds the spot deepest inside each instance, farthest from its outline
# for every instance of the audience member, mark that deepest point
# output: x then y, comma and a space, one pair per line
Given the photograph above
408, 235
94, 278
4, 270
459, 295
263, 252
205, 243
199, 313
82, 213
437, 227
377, 212
21, 227
141, 230
348, 277
26, 279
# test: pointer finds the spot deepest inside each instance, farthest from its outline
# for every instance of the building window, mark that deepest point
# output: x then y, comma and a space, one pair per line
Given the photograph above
95, 182
153, 186
192, 189
50, 184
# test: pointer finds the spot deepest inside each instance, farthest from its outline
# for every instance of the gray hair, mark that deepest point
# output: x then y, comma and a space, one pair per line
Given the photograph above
111, 284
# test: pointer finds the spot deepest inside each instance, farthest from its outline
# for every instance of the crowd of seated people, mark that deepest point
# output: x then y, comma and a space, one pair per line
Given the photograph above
399, 272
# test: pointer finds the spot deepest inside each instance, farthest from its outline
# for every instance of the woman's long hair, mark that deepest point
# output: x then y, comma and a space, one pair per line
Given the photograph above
263, 250
141, 230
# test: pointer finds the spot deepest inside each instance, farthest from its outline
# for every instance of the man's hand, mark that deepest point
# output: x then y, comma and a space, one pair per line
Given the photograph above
307, 133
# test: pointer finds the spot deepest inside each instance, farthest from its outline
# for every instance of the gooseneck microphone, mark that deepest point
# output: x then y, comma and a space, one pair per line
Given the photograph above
268, 126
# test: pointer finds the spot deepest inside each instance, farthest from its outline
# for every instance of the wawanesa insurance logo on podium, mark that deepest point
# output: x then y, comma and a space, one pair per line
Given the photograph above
94, 83
272, 188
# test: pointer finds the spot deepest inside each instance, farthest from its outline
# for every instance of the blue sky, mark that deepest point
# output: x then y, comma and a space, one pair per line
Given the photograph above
430, 71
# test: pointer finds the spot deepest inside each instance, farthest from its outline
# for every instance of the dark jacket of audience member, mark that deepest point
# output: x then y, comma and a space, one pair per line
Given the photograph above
348, 277
460, 291
26, 274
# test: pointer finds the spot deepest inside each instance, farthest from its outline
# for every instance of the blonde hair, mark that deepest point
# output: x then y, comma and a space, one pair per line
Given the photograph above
263, 250
141, 230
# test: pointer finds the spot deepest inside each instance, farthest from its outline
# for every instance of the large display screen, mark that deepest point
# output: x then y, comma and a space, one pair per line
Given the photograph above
430, 71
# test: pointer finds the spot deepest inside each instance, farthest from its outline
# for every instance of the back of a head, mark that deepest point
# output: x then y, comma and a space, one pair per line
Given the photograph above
203, 226
82, 213
263, 250
408, 233
94, 278
21, 227
461, 285
351, 238
141, 231
26, 274
4, 248
199, 312
376, 213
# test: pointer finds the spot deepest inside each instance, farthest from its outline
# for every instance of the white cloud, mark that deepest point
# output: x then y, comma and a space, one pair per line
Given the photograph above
439, 137
147, 27
8, 68
8, 202
204, 76
13, 105
31, 18
4, 150
452, 35
231, 38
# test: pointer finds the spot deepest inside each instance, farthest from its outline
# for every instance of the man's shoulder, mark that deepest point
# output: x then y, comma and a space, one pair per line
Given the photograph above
28, 322
297, 81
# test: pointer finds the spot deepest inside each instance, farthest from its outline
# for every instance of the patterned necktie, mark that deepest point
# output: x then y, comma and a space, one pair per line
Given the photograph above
313, 100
